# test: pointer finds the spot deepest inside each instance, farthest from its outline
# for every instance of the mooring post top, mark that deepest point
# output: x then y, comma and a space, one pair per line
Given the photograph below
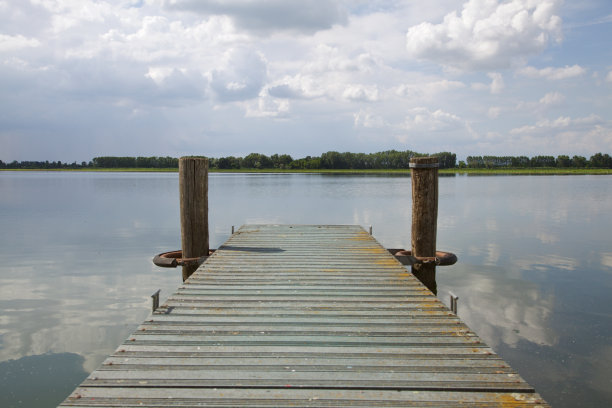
424, 162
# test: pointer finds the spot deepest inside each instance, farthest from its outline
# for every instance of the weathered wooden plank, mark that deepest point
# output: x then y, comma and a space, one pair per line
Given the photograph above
303, 316
185, 397
400, 362
314, 352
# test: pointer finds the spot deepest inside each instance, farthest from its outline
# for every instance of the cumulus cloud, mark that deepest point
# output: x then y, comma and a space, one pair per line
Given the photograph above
428, 89
297, 87
553, 74
116, 65
367, 119
267, 107
561, 123
423, 119
606, 259
362, 93
325, 58
487, 34
9, 43
495, 87
178, 84
267, 15
241, 76
609, 77
497, 82
552, 98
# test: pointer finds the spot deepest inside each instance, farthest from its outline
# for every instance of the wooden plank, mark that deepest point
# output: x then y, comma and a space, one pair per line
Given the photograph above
303, 316
248, 397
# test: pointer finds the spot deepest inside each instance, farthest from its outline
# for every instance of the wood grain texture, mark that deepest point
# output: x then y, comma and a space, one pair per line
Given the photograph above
424, 217
193, 190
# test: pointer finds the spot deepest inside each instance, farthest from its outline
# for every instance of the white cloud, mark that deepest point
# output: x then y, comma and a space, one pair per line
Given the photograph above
582, 135
368, 119
609, 77
297, 87
552, 98
360, 93
325, 58
241, 76
267, 107
10, 43
174, 85
428, 89
553, 74
479, 86
495, 87
497, 82
606, 259
494, 112
562, 122
423, 119
71, 14
338, 66
487, 34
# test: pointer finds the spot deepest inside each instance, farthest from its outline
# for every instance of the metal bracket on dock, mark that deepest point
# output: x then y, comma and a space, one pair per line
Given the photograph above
453, 302
155, 301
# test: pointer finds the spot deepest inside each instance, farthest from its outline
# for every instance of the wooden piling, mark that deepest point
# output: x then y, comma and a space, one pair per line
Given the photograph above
424, 175
193, 188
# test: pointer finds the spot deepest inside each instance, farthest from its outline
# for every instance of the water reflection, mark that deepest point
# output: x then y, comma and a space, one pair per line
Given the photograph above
545, 262
82, 314
502, 308
39, 381
606, 260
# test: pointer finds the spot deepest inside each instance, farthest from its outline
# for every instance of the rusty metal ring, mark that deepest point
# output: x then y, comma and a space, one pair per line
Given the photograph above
441, 258
172, 259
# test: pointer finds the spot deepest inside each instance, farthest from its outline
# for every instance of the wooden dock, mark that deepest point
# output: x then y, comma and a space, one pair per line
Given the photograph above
311, 316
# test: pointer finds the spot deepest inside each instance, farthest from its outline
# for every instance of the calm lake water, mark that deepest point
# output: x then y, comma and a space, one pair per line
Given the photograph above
534, 275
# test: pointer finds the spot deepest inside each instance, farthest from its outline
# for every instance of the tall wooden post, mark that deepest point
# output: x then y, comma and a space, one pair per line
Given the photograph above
424, 175
193, 188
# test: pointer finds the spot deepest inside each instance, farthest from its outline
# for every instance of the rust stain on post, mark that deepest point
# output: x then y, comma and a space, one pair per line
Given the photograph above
424, 174
193, 189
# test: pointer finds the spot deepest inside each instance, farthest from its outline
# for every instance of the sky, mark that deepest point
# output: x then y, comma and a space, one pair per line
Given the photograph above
85, 78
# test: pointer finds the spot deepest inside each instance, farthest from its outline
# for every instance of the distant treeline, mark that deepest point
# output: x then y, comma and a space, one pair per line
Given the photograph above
598, 160
390, 159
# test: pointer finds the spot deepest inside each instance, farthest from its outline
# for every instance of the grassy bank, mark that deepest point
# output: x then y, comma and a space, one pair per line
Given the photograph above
532, 171
507, 171
114, 170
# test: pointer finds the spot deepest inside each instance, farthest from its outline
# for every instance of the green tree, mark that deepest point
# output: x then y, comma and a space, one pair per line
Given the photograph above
542, 161
600, 160
333, 160
475, 162
564, 161
579, 161
282, 161
447, 160
257, 161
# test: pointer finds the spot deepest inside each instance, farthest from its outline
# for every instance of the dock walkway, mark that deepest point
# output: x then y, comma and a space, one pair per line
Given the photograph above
312, 316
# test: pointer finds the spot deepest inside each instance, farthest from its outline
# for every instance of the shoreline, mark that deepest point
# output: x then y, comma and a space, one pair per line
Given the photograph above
509, 171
